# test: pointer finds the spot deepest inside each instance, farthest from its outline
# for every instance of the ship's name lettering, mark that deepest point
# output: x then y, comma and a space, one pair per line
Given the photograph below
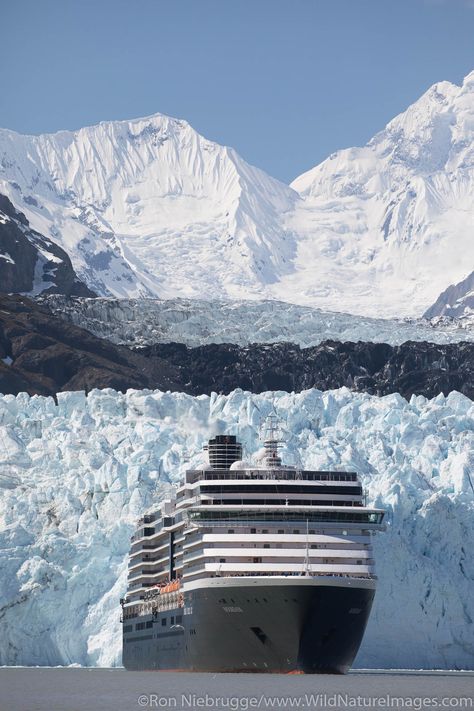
232, 609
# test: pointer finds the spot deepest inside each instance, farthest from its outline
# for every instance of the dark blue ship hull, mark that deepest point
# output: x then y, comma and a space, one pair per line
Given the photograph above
282, 627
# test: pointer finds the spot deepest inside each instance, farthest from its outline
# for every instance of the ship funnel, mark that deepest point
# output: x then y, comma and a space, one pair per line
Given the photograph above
223, 451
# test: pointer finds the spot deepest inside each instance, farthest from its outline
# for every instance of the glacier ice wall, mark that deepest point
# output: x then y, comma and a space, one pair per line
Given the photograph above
196, 322
74, 476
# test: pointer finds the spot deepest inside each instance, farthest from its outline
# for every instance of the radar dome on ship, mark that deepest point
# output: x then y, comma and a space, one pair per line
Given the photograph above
240, 464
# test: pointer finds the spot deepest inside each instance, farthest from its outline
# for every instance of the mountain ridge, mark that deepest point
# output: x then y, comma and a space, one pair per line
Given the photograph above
150, 208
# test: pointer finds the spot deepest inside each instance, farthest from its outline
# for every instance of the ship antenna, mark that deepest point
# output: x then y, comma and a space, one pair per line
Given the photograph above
270, 433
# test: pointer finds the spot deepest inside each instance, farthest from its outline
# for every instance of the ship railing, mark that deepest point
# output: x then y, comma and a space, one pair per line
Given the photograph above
287, 574
139, 533
315, 515
259, 499
211, 523
276, 473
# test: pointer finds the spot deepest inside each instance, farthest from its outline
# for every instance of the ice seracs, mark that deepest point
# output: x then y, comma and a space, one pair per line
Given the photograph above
75, 476
196, 322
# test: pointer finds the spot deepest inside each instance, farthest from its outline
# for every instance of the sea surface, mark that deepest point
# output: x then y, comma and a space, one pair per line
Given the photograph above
77, 689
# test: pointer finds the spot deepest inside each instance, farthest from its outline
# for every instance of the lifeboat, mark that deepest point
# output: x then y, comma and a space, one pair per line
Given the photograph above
170, 587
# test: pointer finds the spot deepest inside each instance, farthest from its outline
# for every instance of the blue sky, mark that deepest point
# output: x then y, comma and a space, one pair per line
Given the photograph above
286, 82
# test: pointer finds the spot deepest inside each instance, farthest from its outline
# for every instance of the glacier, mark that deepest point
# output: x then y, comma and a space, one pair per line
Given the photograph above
76, 474
196, 322
149, 207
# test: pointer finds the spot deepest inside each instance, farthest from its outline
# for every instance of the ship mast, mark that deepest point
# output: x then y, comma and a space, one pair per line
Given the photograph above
270, 433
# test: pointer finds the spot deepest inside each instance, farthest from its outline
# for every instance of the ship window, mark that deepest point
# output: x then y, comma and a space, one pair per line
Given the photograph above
264, 530
311, 530
231, 530
266, 545
222, 560
280, 530
257, 560
163, 621
179, 619
149, 624
172, 620
296, 530
253, 530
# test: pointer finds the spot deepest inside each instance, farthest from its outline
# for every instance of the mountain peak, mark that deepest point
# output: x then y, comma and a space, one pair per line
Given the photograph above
151, 197
149, 207
156, 119
469, 79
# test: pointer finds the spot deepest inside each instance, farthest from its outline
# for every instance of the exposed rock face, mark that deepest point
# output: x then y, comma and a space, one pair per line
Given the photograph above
43, 354
412, 368
30, 262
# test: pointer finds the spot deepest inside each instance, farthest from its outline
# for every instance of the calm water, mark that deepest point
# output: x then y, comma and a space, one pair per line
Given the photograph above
43, 689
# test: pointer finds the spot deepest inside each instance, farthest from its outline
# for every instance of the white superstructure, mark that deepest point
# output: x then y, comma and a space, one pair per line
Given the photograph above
236, 519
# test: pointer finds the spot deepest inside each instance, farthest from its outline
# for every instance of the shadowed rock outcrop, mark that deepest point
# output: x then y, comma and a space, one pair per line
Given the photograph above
42, 353
412, 368
29, 261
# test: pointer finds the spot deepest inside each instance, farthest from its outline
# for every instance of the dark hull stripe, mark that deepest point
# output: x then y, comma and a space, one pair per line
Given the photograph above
287, 628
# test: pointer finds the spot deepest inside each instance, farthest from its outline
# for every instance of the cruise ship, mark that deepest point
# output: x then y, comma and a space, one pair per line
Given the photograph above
252, 567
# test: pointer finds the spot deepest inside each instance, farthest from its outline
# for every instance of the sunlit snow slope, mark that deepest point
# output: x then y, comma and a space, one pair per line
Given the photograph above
150, 207
75, 476
394, 220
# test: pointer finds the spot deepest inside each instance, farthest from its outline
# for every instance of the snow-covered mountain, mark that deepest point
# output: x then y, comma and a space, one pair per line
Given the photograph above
456, 302
150, 208
74, 477
30, 262
396, 217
